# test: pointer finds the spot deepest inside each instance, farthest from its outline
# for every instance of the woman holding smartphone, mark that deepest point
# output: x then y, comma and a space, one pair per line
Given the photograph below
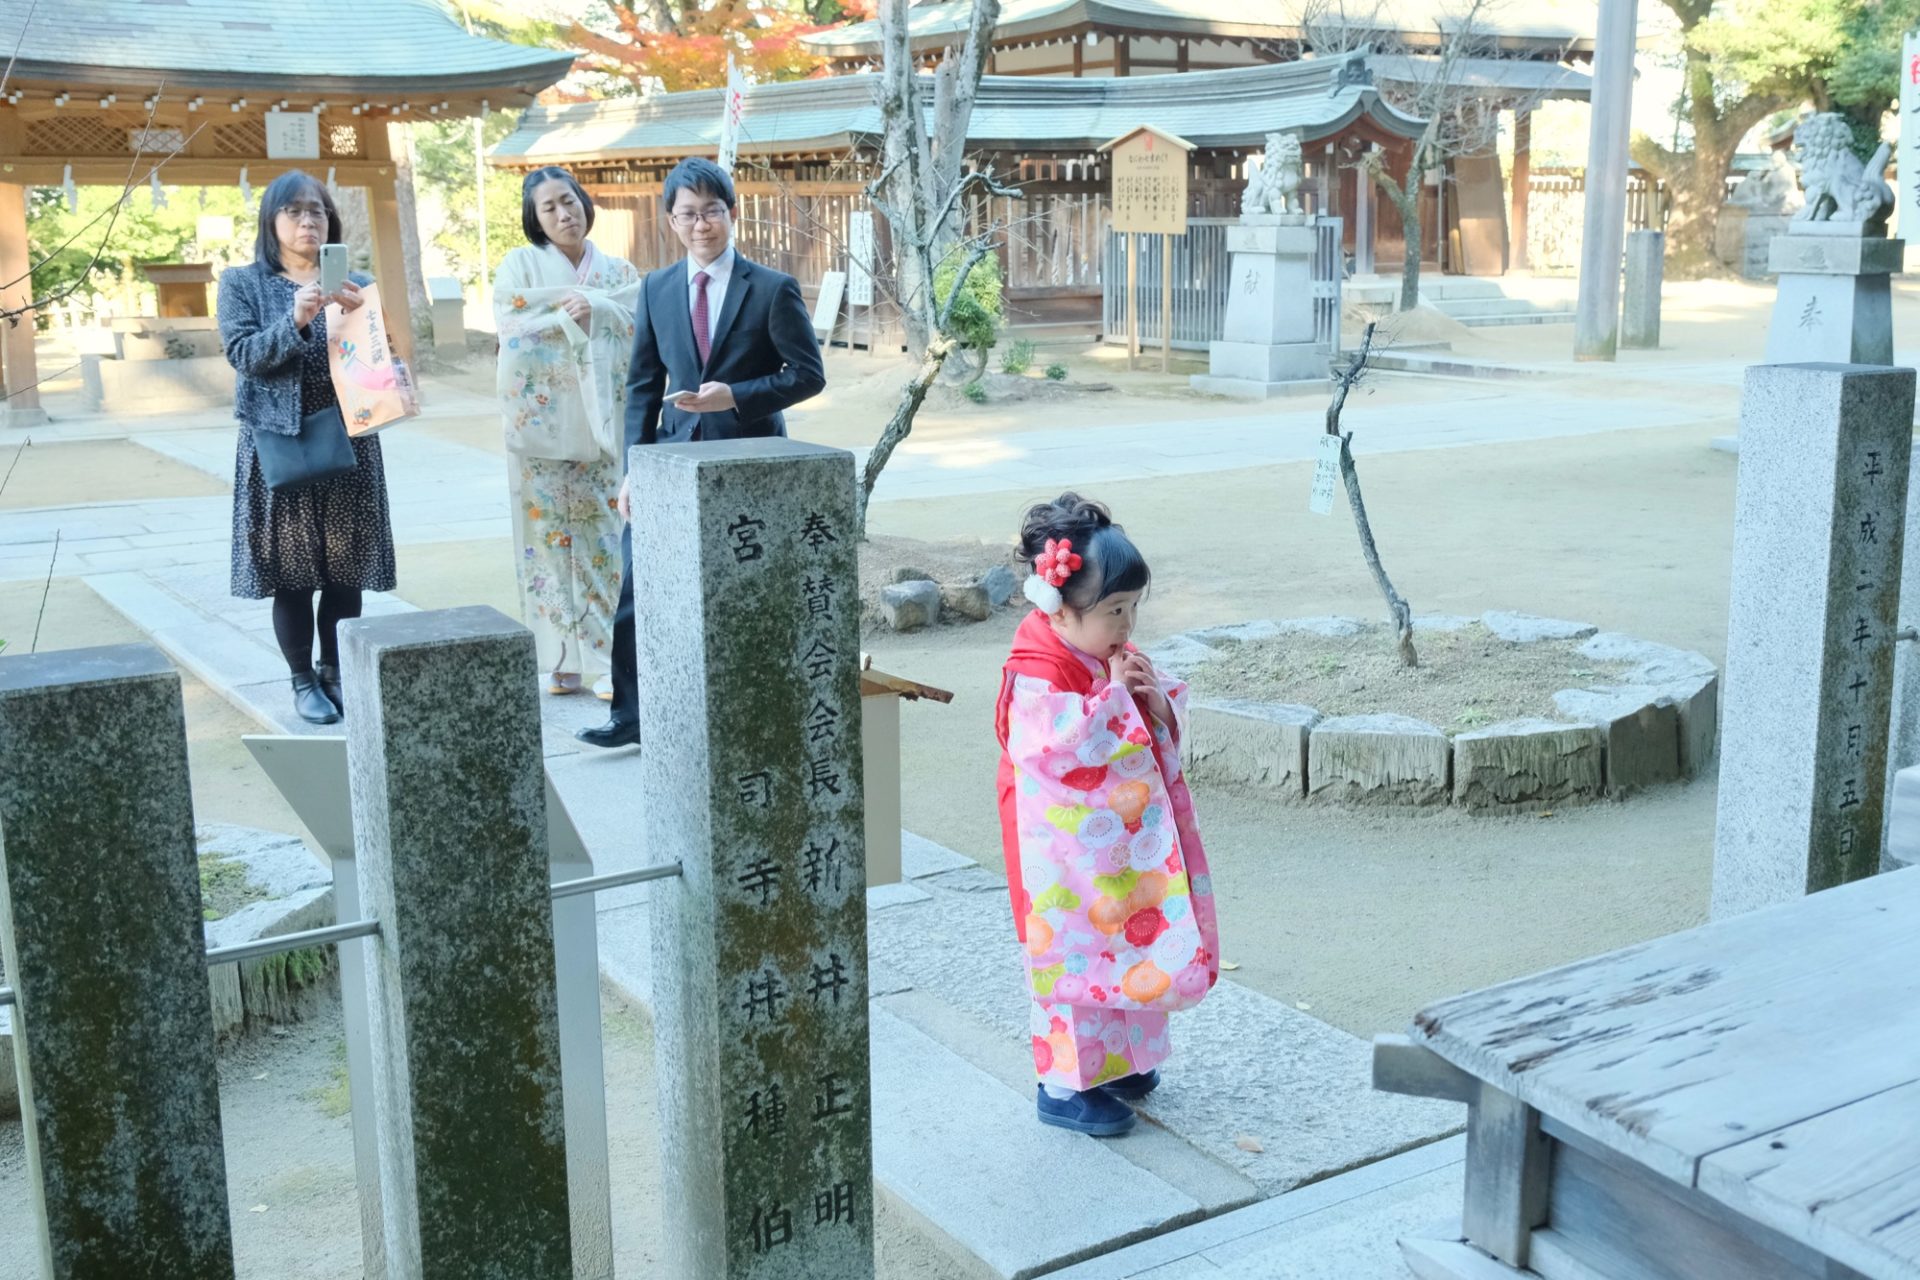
564, 313
331, 538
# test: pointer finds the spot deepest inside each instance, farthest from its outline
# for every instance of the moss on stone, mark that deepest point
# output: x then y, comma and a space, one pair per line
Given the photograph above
224, 887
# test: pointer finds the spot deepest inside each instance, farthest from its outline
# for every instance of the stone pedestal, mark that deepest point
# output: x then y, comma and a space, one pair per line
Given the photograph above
1817, 561
1833, 303
749, 647
100, 920
450, 838
1267, 342
1646, 269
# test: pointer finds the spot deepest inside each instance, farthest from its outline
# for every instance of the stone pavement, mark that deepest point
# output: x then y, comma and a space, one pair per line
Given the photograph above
441, 491
1261, 1100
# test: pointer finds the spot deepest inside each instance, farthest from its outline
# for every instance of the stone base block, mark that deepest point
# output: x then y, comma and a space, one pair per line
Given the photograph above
1379, 759
155, 386
1527, 764
1642, 730
1258, 744
1267, 362
1242, 389
1833, 319
1835, 255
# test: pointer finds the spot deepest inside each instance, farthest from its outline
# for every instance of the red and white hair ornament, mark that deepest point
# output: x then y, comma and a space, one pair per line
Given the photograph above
1051, 569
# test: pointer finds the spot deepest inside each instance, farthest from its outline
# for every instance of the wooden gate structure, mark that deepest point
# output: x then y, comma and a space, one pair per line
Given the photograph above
102, 92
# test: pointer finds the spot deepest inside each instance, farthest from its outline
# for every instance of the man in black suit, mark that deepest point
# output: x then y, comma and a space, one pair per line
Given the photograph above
734, 341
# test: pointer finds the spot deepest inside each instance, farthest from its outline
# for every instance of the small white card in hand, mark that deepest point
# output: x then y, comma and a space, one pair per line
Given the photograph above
1326, 473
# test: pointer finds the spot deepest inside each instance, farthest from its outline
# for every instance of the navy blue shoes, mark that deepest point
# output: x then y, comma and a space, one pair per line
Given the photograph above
1095, 1112
1133, 1088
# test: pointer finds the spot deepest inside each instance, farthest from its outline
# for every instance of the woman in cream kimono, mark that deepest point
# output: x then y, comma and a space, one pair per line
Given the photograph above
565, 315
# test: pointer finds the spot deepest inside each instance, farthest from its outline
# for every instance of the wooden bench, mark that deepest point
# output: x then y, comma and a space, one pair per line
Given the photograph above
1738, 1102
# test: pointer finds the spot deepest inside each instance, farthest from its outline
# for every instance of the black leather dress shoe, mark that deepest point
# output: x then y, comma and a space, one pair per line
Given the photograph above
329, 677
614, 733
310, 701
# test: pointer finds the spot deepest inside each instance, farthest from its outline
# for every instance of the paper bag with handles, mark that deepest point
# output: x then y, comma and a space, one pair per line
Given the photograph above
372, 383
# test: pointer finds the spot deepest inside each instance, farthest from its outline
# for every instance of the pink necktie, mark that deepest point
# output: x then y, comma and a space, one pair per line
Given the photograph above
702, 336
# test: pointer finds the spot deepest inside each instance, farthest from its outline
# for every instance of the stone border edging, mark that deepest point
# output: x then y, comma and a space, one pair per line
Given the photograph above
1658, 722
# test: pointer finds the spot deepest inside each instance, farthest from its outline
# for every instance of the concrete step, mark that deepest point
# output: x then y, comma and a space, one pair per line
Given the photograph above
1509, 321
1487, 307
1345, 1228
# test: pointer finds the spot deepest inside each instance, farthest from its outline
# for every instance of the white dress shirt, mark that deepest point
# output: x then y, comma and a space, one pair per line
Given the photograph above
718, 274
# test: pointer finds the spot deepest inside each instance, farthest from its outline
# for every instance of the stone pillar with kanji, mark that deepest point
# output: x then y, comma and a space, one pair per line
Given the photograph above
1812, 619
748, 603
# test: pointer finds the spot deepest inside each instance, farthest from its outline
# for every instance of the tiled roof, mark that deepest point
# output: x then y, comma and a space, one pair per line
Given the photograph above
1541, 22
289, 44
1318, 97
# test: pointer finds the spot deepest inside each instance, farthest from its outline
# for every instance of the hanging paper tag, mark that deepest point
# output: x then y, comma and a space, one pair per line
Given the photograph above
1326, 474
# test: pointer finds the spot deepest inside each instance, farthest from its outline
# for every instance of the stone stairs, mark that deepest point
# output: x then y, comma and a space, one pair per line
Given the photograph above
1475, 301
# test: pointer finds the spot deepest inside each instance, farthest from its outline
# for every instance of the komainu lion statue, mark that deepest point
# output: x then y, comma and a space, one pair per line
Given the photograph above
1839, 188
1275, 185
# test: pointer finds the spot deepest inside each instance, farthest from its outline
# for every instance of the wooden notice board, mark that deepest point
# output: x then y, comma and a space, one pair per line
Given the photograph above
1149, 197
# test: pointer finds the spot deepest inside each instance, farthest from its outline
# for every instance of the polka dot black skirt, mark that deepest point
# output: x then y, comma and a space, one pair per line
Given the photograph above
333, 533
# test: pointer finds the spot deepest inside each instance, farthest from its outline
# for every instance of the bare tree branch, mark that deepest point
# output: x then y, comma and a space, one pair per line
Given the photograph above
1398, 610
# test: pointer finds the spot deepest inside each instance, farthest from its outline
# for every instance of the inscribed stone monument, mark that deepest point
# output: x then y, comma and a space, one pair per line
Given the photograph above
450, 837
749, 648
1817, 558
100, 918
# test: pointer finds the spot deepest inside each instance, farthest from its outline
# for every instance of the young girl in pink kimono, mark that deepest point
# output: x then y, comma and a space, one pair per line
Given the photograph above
1111, 897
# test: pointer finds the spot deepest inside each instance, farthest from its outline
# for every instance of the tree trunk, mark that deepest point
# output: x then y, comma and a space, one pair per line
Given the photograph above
400, 137
1408, 203
1697, 179
903, 157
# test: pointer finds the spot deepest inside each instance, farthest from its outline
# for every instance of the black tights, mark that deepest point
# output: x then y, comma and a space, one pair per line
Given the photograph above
294, 624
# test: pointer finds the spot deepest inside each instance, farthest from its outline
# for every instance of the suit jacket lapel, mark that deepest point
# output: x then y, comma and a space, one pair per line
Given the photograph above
737, 287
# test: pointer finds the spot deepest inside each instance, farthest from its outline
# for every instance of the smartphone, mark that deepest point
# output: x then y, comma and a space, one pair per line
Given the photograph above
675, 397
333, 268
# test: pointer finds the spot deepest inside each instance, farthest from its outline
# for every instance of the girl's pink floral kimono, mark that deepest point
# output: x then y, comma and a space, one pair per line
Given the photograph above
1110, 889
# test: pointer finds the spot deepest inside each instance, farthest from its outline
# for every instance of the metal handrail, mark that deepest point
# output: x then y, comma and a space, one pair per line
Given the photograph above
338, 933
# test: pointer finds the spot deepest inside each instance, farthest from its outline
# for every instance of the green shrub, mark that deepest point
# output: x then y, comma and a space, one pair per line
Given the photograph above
975, 391
1017, 357
978, 314
1058, 372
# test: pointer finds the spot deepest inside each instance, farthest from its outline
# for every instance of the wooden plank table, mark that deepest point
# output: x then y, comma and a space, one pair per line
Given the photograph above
1741, 1101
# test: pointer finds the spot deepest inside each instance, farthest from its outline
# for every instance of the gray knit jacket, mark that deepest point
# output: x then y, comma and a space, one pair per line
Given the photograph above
264, 348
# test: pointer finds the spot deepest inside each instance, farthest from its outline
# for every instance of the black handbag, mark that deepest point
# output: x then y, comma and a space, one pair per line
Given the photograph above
320, 452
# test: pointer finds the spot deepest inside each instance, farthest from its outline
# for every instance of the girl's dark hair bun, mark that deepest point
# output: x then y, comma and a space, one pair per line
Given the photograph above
1112, 563
1067, 516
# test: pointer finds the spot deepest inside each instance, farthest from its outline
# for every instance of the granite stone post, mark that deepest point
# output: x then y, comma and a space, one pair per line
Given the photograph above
450, 833
1597, 312
1903, 735
1817, 540
749, 648
100, 919
1646, 266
